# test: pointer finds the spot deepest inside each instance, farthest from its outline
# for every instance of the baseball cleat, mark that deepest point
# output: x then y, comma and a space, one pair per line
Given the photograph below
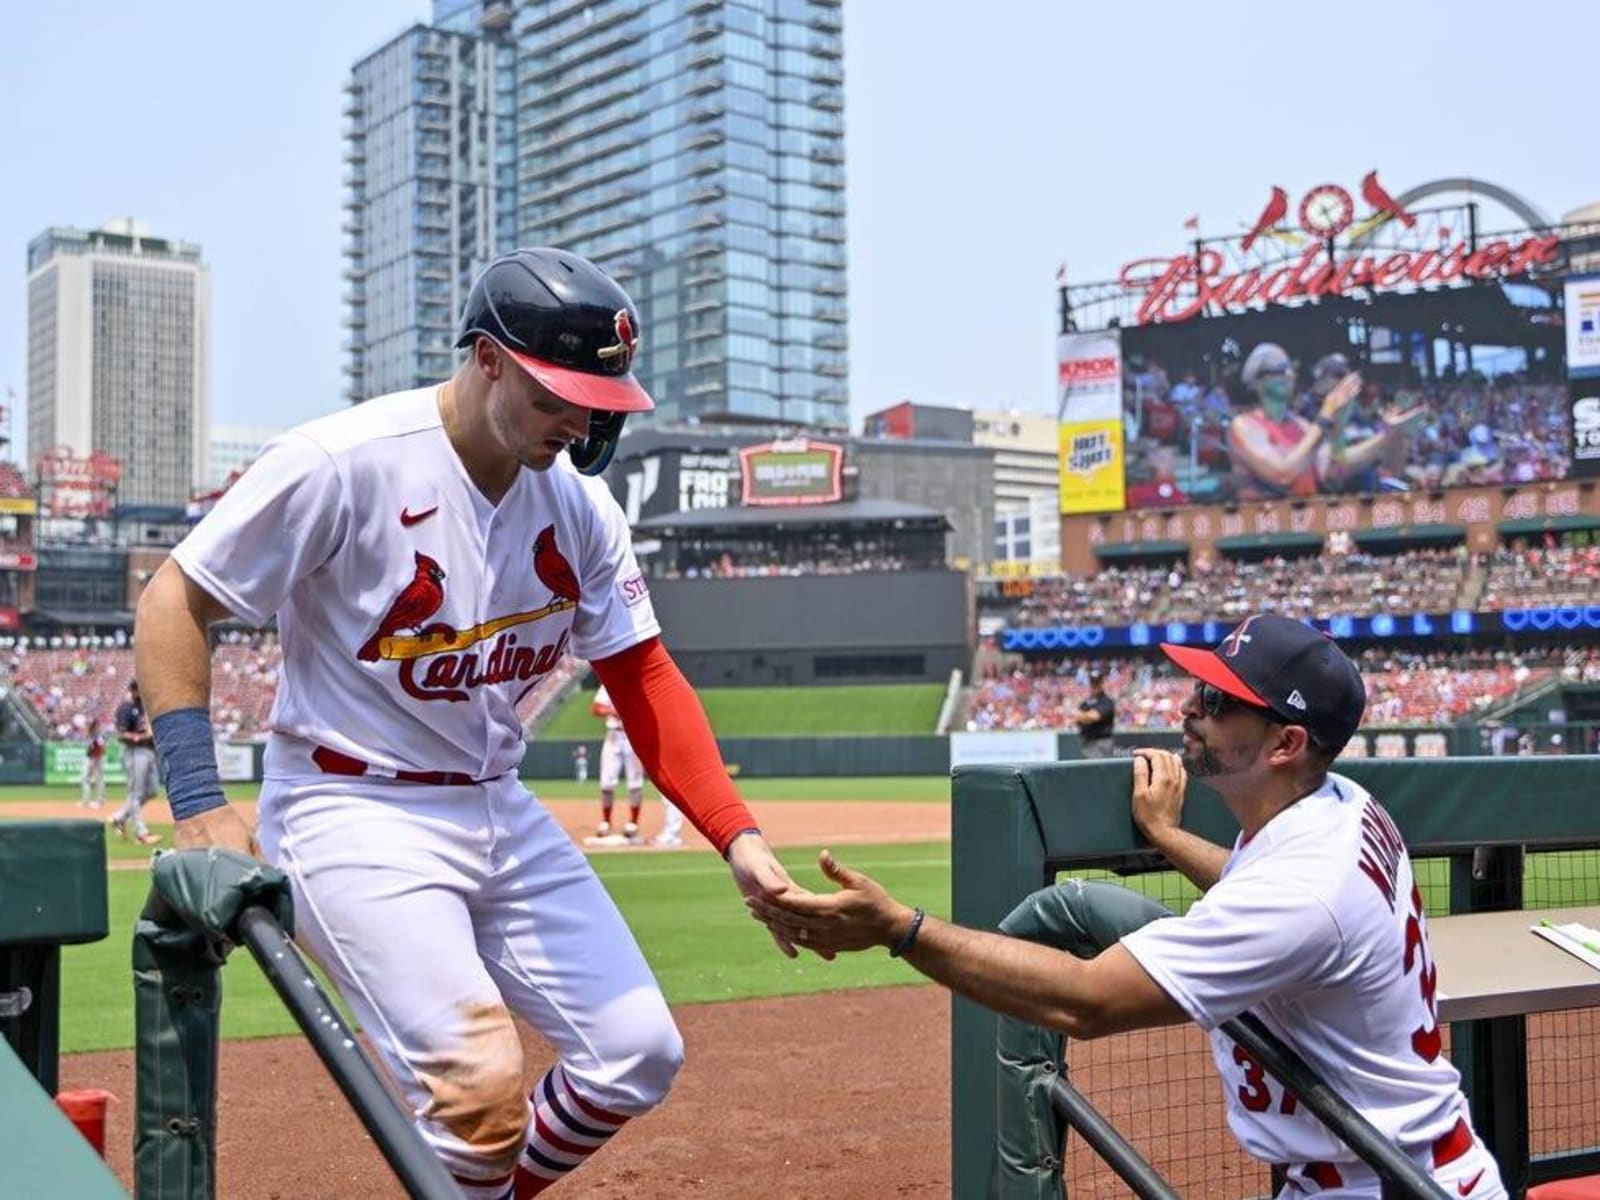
631, 829
120, 824
603, 829
664, 840
149, 839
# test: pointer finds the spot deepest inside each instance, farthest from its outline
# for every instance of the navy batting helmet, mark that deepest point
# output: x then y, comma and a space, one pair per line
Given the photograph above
570, 326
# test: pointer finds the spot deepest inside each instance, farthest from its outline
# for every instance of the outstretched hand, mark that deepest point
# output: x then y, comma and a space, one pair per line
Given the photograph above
859, 915
757, 873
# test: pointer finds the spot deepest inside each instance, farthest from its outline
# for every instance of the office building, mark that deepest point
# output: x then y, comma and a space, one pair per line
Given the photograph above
119, 356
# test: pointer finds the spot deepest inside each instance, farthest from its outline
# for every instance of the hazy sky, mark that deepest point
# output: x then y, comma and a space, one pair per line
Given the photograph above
986, 144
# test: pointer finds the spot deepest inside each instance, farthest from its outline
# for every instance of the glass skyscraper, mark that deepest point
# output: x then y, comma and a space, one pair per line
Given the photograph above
427, 200
694, 148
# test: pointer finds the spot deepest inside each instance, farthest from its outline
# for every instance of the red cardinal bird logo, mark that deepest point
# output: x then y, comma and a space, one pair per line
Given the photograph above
627, 343
1374, 194
1277, 208
552, 567
417, 601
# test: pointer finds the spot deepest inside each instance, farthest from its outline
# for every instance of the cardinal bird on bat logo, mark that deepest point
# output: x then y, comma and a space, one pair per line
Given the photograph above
417, 601
552, 567
627, 343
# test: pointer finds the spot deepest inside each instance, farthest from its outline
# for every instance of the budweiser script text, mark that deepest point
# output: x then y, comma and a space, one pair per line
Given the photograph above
1177, 289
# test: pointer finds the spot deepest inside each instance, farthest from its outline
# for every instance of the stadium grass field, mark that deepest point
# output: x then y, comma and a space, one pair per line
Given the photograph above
693, 928
878, 710
695, 933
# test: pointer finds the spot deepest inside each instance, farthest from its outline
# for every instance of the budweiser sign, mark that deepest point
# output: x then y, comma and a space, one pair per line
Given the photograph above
1187, 285
1178, 288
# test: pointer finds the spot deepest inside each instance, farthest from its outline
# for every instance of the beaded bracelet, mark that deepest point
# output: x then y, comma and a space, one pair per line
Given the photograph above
910, 936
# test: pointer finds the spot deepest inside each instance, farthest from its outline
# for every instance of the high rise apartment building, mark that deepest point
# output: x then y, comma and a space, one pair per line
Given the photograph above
694, 148
119, 356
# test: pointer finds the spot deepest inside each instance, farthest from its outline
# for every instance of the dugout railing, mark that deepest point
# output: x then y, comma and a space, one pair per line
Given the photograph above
203, 903
1471, 824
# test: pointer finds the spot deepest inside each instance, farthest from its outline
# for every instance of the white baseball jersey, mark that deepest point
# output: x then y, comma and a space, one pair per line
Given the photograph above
413, 613
1316, 926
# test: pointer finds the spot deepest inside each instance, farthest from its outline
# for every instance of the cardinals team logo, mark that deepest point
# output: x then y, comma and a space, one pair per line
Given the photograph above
1327, 211
627, 343
552, 567
417, 601
440, 662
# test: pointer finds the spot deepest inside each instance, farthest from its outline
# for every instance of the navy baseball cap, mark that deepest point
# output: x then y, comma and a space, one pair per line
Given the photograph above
1294, 671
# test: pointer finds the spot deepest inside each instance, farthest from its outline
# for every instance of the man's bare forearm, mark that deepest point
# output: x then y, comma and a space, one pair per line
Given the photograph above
172, 654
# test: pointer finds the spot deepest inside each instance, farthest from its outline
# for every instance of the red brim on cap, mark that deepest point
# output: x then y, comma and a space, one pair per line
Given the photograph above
1208, 667
609, 393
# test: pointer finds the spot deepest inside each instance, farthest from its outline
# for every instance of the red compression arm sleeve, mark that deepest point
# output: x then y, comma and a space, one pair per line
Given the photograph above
669, 731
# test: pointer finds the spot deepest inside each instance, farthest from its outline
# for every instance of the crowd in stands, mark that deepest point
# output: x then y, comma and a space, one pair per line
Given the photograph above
725, 566
74, 681
1473, 431
1403, 687
1354, 584
1539, 576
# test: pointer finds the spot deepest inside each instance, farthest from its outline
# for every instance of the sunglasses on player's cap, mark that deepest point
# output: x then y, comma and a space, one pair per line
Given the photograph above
1295, 673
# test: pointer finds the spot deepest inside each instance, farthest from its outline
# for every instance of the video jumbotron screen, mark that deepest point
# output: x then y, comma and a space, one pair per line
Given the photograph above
1416, 392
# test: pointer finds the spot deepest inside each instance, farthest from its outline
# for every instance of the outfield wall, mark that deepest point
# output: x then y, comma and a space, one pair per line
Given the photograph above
880, 627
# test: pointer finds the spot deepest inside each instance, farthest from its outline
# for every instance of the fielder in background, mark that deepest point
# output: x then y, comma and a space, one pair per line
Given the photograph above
94, 767
139, 760
430, 556
1313, 921
618, 761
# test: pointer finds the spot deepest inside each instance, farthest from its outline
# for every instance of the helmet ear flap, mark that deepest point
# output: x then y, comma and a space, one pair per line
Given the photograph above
593, 454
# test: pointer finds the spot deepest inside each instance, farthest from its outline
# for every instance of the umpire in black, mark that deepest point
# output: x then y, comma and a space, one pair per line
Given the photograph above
1095, 717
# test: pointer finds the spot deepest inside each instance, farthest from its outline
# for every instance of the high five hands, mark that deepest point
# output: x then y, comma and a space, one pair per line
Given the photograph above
861, 914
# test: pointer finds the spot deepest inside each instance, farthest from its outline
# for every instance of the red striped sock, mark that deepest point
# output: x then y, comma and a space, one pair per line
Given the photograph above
566, 1129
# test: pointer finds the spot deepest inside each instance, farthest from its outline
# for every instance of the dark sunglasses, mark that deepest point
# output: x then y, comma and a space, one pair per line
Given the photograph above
1215, 702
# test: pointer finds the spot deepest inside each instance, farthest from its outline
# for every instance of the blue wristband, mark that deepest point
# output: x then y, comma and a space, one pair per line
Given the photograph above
188, 762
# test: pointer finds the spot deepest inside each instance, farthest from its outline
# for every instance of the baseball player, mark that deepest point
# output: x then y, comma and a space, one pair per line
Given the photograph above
617, 760
93, 781
139, 761
430, 556
1313, 921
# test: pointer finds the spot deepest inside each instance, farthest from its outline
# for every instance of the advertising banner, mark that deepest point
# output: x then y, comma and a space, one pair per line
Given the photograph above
792, 472
1091, 467
1583, 324
63, 762
1089, 409
1002, 748
1585, 397
235, 762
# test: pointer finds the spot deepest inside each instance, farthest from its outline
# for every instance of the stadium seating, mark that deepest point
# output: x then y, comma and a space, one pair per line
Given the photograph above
1353, 584
1542, 577
1403, 688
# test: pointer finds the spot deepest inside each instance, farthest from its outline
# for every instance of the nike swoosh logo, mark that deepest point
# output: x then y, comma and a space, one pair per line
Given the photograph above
1465, 1186
408, 519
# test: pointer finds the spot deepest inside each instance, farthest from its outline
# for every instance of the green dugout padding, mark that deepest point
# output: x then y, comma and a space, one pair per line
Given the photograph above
1014, 828
45, 1155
